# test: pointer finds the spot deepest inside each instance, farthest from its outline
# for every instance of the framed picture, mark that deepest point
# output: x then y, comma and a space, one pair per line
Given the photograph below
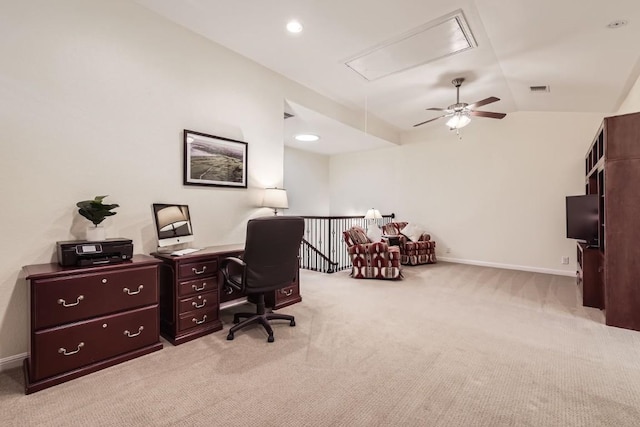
213, 160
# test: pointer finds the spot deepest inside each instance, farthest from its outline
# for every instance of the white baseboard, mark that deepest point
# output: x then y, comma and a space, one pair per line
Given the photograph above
12, 362
509, 266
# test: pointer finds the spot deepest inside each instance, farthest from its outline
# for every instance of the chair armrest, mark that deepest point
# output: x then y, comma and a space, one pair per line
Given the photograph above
226, 265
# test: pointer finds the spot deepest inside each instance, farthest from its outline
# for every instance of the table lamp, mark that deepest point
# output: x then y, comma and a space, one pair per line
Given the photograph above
275, 198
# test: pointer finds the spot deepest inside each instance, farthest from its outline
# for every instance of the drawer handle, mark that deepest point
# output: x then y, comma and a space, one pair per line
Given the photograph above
196, 271
196, 288
64, 350
130, 335
195, 304
64, 304
199, 322
128, 291
286, 292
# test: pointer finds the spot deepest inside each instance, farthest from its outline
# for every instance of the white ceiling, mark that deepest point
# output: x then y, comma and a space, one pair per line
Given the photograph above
564, 44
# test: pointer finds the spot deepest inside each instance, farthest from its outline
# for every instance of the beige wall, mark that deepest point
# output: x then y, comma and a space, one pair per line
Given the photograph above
631, 104
95, 96
306, 178
495, 197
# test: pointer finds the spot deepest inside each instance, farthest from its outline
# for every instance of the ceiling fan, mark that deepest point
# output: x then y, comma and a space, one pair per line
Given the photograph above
460, 112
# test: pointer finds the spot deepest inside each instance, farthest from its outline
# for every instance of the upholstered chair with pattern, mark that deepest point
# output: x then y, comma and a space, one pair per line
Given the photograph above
371, 260
416, 246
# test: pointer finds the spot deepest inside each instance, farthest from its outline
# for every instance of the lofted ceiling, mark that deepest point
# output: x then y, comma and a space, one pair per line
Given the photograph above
565, 45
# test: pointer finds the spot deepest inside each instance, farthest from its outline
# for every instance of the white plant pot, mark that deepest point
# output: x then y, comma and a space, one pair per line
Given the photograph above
95, 234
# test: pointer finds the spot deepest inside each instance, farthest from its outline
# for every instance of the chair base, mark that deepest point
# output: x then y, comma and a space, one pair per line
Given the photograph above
261, 318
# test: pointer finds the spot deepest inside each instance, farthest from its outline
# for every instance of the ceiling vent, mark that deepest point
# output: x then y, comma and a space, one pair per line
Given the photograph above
539, 88
437, 39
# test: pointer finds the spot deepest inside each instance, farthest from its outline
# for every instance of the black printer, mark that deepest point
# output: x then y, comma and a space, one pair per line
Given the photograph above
80, 253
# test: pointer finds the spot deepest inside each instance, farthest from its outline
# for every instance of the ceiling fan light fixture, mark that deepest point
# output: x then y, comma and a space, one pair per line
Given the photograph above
459, 120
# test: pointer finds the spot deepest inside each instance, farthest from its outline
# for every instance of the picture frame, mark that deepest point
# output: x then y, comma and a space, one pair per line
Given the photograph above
214, 161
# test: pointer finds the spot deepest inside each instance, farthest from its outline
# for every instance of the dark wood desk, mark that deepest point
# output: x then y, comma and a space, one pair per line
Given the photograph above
191, 291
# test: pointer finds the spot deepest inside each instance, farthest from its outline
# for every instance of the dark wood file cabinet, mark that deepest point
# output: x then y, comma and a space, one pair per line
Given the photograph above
86, 319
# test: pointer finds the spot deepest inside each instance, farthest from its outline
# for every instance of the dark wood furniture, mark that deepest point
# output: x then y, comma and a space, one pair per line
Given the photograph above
86, 319
191, 292
588, 276
612, 167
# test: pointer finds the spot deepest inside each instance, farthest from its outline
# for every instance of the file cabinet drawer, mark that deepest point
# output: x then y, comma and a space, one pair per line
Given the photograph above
69, 347
67, 299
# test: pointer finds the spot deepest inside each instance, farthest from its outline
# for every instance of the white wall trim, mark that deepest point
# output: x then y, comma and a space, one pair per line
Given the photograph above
12, 362
508, 266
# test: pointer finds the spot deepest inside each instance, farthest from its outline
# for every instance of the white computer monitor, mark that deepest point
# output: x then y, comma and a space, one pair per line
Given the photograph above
173, 224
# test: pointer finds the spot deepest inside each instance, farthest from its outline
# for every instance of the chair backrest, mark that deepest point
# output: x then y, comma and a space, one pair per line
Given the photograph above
271, 252
355, 236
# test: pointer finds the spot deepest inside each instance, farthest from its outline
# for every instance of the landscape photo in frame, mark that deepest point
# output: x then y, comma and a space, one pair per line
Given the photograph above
214, 160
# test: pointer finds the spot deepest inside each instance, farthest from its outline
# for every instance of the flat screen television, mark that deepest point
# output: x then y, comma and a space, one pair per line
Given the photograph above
173, 224
582, 218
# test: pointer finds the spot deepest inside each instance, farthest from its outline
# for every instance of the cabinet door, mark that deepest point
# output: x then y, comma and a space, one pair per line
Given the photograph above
622, 251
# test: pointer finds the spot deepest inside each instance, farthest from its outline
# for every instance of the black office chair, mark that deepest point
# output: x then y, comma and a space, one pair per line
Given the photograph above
270, 262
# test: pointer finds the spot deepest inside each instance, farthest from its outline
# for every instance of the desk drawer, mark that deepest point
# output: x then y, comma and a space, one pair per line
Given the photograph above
286, 294
199, 303
197, 318
70, 347
199, 286
68, 299
197, 269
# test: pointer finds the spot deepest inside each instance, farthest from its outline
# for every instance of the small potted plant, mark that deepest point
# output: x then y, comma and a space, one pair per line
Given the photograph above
95, 211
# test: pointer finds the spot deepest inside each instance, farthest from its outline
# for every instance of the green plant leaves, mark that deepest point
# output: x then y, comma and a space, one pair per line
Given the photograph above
94, 210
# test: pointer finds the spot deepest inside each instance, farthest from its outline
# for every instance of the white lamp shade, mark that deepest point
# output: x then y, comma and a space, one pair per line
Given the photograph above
170, 218
275, 198
459, 120
373, 214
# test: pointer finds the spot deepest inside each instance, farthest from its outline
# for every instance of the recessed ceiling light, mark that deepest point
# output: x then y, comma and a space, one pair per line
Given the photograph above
294, 26
617, 23
307, 137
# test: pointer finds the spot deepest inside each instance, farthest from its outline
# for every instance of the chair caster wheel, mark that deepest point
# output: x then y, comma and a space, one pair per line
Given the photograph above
230, 337
292, 323
270, 339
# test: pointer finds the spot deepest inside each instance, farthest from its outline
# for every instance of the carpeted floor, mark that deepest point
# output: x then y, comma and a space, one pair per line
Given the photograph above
450, 345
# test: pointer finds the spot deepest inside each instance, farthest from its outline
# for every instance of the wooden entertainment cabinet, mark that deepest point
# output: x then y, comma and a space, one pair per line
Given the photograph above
609, 275
191, 292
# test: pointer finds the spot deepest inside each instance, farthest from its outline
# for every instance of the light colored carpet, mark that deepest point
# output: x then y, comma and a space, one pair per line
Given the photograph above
450, 345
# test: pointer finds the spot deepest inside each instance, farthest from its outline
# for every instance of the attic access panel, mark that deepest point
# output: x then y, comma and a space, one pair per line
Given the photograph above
437, 39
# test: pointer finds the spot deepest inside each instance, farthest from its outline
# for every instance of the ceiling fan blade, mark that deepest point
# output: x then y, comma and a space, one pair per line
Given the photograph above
430, 120
483, 102
488, 114
438, 109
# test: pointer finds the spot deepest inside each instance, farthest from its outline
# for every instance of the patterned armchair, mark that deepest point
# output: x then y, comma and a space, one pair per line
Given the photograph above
371, 260
420, 251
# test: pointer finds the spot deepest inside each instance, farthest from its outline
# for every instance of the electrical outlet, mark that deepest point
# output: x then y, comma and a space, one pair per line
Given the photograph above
565, 260
448, 250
